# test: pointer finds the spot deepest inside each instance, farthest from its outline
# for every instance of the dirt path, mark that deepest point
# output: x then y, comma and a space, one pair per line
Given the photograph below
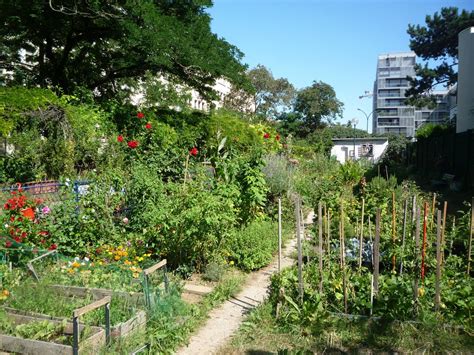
226, 319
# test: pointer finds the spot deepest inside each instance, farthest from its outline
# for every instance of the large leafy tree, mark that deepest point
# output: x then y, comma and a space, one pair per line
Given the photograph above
317, 104
106, 46
271, 96
436, 41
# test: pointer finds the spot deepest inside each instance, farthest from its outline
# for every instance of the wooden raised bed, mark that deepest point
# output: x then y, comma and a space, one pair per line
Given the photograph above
137, 322
12, 344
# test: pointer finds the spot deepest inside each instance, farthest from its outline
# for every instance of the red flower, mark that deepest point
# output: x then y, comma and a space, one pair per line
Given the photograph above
277, 137
148, 125
42, 241
132, 144
266, 135
120, 139
43, 233
23, 235
194, 151
28, 213
17, 239
140, 115
8, 244
53, 247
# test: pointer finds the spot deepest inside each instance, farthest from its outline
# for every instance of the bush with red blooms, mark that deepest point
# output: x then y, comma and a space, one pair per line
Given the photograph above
23, 221
134, 143
194, 151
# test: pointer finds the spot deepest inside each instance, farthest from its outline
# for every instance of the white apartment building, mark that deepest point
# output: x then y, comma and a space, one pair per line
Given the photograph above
465, 89
391, 113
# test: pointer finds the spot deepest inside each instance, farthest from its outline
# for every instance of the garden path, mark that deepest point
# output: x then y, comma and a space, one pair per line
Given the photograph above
226, 319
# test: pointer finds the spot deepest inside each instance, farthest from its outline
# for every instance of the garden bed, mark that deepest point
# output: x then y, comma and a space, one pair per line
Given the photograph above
58, 344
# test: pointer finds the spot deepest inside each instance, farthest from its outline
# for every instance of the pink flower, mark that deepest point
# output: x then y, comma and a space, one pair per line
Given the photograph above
194, 151
45, 210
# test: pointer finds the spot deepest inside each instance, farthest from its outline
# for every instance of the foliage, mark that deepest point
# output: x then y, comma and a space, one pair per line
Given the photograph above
316, 103
253, 246
278, 174
99, 45
272, 96
437, 41
432, 129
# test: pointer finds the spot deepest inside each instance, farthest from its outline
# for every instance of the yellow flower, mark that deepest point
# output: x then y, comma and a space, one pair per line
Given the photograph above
71, 271
421, 292
126, 262
6, 293
117, 257
75, 264
231, 262
135, 274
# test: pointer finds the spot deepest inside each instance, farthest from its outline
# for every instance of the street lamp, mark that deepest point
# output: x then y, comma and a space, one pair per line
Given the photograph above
367, 116
354, 122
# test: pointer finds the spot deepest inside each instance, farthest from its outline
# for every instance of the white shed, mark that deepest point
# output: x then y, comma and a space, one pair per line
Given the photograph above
370, 148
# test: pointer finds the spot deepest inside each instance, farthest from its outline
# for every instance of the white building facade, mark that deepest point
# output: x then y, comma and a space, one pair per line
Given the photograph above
391, 113
371, 148
465, 89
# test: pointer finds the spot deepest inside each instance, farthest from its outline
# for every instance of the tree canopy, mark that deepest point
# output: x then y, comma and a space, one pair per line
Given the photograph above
317, 103
437, 40
107, 46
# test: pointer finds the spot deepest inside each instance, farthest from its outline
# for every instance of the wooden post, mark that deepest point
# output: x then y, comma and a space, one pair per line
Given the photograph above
303, 233
413, 217
361, 239
438, 261
300, 252
343, 259
320, 242
417, 250
423, 247
279, 234
386, 172
405, 207
328, 226
443, 228
394, 231
469, 249
376, 251
433, 211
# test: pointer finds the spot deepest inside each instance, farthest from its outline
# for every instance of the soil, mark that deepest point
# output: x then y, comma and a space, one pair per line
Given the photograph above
225, 320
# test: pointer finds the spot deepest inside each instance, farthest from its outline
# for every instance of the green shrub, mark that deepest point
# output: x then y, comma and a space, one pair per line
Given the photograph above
253, 246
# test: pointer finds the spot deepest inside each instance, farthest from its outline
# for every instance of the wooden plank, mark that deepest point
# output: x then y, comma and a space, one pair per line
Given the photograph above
90, 307
155, 267
343, 259
32, 347
197, 289
423, 246
443, 229
404, 230
417, 253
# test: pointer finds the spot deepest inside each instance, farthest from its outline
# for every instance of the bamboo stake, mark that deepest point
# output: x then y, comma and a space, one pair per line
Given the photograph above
469, 249
443, 229
413, 217
405, 207
394, 233
438, 261
303, 233
343, 259
279, 234
423, 247
300, 255
320, 224
433, 211
417, 247
386, 172
376, 252
329, 233
361, 239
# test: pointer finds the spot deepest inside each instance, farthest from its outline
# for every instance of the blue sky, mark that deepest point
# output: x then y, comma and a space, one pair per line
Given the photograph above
336, 41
